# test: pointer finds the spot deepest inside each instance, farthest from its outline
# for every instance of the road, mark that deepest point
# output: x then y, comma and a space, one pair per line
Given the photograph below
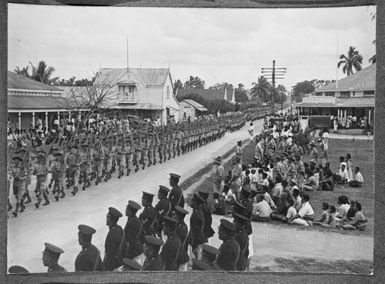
57, 223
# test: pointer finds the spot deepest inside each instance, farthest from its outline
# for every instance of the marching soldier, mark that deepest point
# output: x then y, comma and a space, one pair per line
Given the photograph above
73, 162
170, 249
174, 142
156, 148
150, 150
57, 169
114, 241
19, 174
209, 256
89, 257
121, 156
196, 234
239, 150
51, 255
176, 194
229, 250
98, 155
153, 261
85, 166
129, 155
107, 159
133, 232
138, 154
145, 152
206, 210
182, 232
40, 169
163, 208
148, 216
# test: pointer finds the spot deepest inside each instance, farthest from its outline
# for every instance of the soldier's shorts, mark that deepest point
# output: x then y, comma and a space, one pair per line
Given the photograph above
108, 164
121, 161
129, 160
74, 174
99, 167
18, 190
137, 157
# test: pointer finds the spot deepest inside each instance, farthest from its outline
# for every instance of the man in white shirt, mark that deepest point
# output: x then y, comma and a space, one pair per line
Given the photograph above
359, 179
305, 215
261, 210
342, 175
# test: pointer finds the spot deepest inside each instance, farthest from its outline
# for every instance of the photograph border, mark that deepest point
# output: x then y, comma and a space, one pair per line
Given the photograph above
194, 276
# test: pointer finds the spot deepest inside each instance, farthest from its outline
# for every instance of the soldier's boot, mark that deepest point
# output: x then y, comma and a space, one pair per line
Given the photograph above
37, 204
10, 207
74, 191
106, 177
16, 210
120, 174
136, 168
46, 200
143, 166
62, 193
112, 170
50, 184
98, 180
128, 172
22, 206
46, 191
26, 195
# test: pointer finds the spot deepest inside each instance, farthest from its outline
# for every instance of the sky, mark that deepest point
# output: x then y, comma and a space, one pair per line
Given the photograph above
217, 45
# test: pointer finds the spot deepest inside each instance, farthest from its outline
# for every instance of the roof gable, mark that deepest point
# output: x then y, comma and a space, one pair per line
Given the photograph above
19, 82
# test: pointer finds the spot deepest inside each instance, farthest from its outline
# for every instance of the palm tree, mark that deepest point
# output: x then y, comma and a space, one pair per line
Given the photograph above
43, 73
261, 88
352, 60
23, 71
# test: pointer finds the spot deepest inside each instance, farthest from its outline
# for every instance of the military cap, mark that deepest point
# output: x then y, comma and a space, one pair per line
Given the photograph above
133, 205
175, 175
164, 188
204, 195
181, 210
53, 248
153, 241
198, 198
200, 265
147, 195
17, 157
114, 212
218, 159
239, 216
210, 249
170, 220
16, 269
131, 264
86, 230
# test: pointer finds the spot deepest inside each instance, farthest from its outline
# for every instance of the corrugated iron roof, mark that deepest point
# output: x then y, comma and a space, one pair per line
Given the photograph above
16, 81
342, 102
26, 102
196, 105
364, 80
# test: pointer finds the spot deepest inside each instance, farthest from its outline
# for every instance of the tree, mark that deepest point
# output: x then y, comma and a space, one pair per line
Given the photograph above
42, 73
352, 60
261, 89
241, 96
194, 83
219, 86
301, 89
24, 71
241, 86
177, 85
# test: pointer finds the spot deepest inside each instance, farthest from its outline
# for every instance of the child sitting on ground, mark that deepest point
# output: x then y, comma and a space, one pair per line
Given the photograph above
331, 220
291, 212
324, 214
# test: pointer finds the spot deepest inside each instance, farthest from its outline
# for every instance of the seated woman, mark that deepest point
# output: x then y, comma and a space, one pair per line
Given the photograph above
359, 220
324, 214
261, 210
305, 215
310, 183
343, 208
358, 180
351, 212
291, 212
331, 219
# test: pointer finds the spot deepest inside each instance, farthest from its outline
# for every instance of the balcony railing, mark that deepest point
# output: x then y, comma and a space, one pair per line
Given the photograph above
129, 98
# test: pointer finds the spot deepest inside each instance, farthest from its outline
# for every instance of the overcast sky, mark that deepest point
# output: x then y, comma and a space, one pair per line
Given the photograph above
218, 45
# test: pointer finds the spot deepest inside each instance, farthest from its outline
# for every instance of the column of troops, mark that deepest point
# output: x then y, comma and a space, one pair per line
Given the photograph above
158, 238
74, 162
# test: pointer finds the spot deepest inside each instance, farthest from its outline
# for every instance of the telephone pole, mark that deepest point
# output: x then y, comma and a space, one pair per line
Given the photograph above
273, 74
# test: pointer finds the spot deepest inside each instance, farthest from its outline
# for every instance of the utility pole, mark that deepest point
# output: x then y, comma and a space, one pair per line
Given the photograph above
273, 74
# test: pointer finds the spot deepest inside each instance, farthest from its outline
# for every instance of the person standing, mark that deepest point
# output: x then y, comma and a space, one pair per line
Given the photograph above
98, 155
219, 176
89, 257
153, 261
51, 255
148, 216
19, 174
40, 170
239, 150
73, 162
163, 208
114, 241
133, 247
251, 131
171, 247
207, 211
229, 250
240, 222
182, 232
57, 169
176, 194
196, 236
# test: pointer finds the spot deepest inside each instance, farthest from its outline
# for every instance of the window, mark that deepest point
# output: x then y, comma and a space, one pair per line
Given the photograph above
318, 94
345, 95
329, 94
368, 93
131, 89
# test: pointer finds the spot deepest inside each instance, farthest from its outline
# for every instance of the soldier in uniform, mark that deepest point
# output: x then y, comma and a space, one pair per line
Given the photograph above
150, 150
163, 208
182, 232
19, 174
40, 169
206, 210
57, 169
171, 247
89, 257
170, 145
156, 148
161, 148
209, 256
98, 155
240, 222
176, 194
121, 156
138, 154
129, 155
51, 255
107, 159
73, 162
145, 151
151, 247
148, 216
114, 241
174, 142
196, 235
85, 166
229, 250
239, 150
132, 232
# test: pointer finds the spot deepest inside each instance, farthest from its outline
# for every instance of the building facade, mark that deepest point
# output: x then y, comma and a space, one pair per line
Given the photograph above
190, 109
